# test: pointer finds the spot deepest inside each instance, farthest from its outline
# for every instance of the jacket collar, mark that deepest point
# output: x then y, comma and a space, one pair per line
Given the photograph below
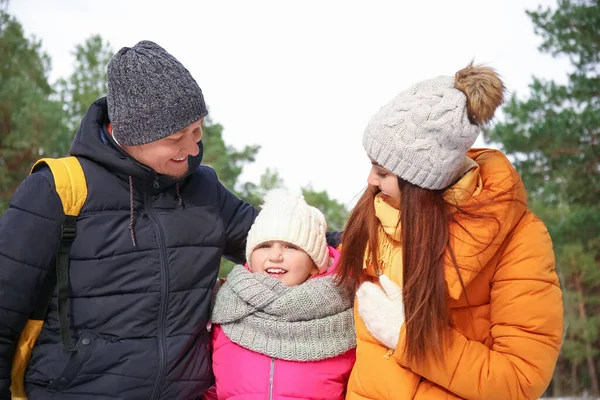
492, 188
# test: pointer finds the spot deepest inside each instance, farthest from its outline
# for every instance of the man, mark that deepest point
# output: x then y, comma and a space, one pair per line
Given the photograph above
149, 240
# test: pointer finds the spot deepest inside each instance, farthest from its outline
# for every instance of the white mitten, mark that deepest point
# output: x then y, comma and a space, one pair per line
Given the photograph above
382, 310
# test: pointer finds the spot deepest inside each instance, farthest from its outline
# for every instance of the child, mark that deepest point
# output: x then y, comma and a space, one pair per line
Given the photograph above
282, 328
458, 297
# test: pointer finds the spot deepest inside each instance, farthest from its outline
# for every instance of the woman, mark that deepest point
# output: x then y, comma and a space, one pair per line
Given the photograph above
457, 293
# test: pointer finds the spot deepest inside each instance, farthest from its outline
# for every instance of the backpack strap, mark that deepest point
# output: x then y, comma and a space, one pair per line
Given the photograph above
69, 181
71, 187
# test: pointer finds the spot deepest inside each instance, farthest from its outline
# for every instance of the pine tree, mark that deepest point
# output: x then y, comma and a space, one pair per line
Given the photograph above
554, 136
31, 121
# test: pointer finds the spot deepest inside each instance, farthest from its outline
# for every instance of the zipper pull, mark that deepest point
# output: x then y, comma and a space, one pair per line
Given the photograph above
389, 354
156, 184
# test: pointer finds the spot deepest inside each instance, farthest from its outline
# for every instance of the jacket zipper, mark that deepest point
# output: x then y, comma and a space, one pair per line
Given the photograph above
271, 376
162, 312
416, 389
414, 392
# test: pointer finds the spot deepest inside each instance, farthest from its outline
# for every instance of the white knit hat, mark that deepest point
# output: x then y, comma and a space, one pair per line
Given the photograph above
287, 217
424, 133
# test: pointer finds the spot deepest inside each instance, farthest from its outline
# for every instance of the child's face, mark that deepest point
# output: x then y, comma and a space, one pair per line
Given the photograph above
284, 261
387, 182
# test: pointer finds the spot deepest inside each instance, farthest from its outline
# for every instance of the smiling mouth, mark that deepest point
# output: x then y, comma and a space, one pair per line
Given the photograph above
179, 159
275, 271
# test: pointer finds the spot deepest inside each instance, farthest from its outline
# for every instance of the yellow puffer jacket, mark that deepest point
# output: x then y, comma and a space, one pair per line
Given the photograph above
505, 342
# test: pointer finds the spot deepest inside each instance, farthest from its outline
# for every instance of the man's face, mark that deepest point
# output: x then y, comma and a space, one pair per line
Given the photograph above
169, 156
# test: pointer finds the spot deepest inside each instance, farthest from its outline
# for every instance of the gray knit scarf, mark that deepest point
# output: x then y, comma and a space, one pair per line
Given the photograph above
308, 322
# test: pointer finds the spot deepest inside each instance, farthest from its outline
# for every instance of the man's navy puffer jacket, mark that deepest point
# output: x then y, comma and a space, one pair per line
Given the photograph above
138, 312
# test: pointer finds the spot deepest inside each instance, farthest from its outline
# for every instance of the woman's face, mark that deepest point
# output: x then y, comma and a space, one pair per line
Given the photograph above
387, 182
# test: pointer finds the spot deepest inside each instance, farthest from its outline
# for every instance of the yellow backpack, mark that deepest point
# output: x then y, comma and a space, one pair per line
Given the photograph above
71, 187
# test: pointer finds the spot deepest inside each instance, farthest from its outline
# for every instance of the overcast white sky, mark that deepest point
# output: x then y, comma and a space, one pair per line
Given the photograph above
302, 78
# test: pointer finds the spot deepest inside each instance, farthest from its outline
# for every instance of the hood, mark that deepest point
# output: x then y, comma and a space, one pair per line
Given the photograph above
499, 194
93, 142
334, 256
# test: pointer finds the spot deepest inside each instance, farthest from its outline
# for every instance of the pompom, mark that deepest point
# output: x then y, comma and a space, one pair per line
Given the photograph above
484, 90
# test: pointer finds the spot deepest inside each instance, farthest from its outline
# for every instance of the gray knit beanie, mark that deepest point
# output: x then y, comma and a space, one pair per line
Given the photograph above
424, 133
151, 95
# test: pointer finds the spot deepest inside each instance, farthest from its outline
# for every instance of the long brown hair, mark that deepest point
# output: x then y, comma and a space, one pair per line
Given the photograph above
425, 217
425, 220
360, 231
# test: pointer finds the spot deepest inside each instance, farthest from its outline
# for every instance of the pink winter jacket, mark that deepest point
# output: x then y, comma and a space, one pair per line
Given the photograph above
242, 374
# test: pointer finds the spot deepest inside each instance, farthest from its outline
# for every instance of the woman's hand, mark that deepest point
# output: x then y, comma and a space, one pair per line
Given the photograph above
382, 310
